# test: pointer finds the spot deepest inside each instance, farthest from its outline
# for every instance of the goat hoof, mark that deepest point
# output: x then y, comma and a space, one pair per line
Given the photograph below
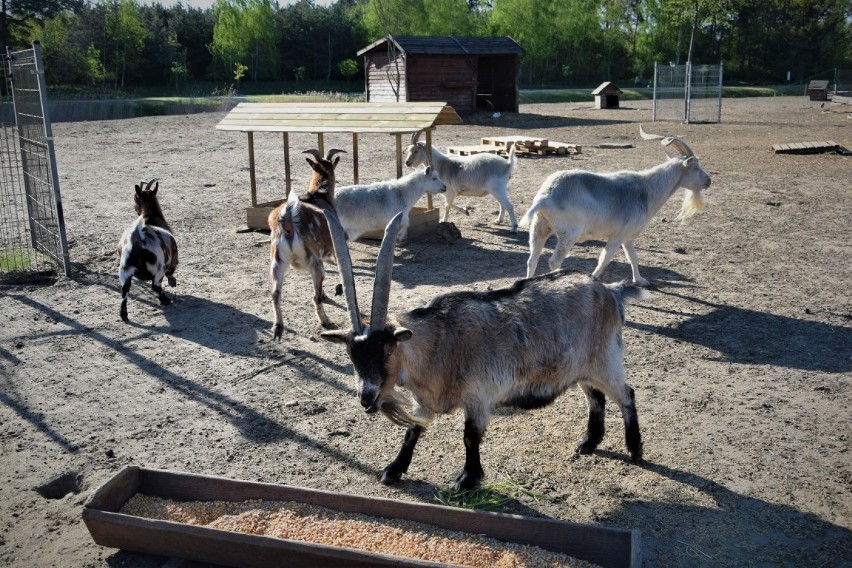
338, 290
278, 330
465, 481
165, 300
390, 475
123, 315
172, 281
586, 447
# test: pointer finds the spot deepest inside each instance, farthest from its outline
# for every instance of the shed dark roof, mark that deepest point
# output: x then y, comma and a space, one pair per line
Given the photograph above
449, 45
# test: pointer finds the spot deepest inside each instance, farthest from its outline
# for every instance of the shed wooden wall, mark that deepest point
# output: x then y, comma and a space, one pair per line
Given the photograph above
378, 86
449, 78
454, 79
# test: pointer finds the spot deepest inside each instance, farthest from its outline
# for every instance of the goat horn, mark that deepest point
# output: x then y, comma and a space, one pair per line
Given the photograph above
384, 268
415, 136
330, 154
150, 183
344, 265
315, 153
679, 145
646, 136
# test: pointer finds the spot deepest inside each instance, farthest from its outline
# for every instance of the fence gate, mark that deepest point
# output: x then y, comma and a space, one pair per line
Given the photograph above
32, 227
688, 93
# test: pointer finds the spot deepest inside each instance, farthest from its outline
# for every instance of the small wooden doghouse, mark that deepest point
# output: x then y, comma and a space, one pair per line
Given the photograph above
469, 73
606, 95
818, 90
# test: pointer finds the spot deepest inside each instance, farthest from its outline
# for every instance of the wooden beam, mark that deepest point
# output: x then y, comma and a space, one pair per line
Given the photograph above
286, 140
251, 169
398, 155
429, 151
321, 143
355, 157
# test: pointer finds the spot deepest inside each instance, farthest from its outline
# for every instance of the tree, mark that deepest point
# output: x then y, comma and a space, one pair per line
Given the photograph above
348, 68
16, 15
125, 37
245, 33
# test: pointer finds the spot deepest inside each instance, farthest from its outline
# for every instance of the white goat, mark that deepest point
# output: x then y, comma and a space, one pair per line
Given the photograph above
469, 176
147, 249
520, 346
363, 208
577, 206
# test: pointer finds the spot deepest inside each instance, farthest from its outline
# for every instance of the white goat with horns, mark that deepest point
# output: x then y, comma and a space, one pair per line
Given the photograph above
520, 346
577, 205
468, 176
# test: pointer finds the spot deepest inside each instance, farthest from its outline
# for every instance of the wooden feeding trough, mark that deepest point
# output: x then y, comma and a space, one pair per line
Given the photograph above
606, 95
397, 119
603, 546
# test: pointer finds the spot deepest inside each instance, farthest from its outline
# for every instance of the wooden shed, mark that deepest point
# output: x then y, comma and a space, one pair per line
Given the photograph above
469, 73
606, 95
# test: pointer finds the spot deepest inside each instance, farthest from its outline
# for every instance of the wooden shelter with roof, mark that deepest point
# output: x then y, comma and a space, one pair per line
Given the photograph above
470, 73
606, 95
396, 119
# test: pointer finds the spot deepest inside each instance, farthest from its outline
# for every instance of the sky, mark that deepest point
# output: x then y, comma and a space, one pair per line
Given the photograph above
203, 4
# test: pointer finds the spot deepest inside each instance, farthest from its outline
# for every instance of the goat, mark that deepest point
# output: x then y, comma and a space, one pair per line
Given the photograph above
519, 346
577, 206
147, 249
468, 176
299, 235
361, 208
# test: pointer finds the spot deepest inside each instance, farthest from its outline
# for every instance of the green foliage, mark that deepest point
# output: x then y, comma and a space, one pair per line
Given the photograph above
488, 497
245, 33
131, 45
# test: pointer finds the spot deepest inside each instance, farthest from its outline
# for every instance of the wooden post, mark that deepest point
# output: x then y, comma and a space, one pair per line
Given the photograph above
398, 155
251, 169
286, 139
321, 143
429, 153
355, 157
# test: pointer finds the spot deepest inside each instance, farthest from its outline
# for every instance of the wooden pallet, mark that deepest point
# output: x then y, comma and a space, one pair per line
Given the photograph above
806, 147
478, 149
523, 146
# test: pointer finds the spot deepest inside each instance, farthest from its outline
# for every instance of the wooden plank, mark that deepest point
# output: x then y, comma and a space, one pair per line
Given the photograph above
805, 147
604, 546
477, 149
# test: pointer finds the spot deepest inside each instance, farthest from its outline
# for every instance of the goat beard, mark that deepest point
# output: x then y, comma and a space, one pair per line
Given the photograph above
395, 408
692, 202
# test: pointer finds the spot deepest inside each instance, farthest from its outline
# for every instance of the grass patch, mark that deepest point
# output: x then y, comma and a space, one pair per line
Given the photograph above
14, 259
488, 497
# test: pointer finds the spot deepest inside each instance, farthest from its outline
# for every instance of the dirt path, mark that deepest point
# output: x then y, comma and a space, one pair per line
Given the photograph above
741, 361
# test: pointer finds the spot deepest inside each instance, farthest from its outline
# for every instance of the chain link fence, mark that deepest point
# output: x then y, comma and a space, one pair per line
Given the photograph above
33, 244
687, 93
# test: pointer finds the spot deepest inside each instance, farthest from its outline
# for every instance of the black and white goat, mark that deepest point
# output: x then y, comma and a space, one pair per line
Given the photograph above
299, 234
577, 205
362, 208
519, 346
468, 176
147, 249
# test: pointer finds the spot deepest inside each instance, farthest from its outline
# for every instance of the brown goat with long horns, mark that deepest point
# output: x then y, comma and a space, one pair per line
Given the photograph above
519, 346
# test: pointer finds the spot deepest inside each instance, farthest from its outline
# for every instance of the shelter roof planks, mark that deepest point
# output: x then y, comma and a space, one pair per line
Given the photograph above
324, 118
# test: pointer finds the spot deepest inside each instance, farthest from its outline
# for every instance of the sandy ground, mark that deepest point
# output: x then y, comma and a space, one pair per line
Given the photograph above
741, 361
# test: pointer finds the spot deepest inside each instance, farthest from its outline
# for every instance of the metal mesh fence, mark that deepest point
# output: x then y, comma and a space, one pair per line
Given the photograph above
32, 228
688, 93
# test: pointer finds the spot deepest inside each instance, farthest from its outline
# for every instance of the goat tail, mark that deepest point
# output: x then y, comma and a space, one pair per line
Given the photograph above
526, 220
394, 407
513, 160
627, 293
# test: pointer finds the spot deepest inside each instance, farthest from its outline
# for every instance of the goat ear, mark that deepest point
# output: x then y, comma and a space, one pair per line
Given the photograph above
138, 189
688, 162
335, 336
402, 334
335, 161
156, 187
